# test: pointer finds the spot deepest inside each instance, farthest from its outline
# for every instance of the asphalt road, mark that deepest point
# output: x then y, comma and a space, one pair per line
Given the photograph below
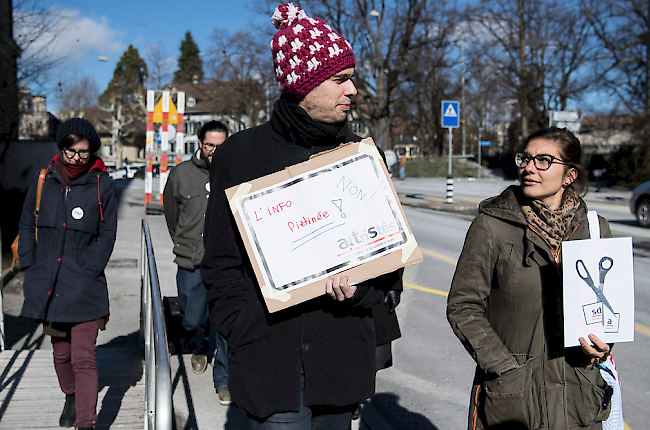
428, 386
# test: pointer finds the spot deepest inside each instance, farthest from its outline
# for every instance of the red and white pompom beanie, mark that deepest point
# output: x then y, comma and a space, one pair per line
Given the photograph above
306, 51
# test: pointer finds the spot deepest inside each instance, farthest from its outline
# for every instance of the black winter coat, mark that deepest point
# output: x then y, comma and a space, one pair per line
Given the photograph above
77, 226
334, 342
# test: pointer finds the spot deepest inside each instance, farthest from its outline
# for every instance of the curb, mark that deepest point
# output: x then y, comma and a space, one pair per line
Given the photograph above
420, 201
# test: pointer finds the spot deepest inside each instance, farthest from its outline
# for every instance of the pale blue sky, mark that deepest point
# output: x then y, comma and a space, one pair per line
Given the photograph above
95, 28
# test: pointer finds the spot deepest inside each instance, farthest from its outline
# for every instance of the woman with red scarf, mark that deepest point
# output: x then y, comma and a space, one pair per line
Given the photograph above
65, 285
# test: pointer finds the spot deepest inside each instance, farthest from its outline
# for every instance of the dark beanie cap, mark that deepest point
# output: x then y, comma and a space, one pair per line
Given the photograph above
78, 126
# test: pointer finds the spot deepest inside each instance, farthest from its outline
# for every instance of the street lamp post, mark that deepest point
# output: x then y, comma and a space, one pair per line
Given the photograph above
462, 96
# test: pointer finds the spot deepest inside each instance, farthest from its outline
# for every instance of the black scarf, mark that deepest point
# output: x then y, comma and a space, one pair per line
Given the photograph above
295, 124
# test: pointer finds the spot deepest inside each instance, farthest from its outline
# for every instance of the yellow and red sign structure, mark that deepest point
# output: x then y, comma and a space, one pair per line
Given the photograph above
164, 112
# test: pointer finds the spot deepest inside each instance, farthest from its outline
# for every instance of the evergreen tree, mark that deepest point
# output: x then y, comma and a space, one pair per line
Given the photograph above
125, 97
128, 80
189, 62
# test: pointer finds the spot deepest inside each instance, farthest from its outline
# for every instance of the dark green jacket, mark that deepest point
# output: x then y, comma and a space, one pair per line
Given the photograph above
185, 199
505, 305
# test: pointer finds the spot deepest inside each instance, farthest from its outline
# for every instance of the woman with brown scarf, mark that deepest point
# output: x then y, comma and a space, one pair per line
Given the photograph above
65, 285
505, 302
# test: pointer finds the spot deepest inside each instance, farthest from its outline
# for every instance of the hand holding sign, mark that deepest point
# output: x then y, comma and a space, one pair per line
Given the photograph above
338, 288
598, 350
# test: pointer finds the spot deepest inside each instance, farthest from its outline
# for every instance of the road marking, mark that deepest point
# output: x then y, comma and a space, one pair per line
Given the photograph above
425, 289
642, 329
439, 256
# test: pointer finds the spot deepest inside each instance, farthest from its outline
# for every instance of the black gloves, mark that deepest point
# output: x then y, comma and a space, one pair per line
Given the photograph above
392, 299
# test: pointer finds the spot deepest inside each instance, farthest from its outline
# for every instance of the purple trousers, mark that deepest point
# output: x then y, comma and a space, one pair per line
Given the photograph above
76, 368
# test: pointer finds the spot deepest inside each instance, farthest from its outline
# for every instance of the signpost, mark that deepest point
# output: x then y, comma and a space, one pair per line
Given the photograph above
481, 144
571, 120
450, 119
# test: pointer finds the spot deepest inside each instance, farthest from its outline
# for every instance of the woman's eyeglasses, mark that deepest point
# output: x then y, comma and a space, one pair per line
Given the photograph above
541, 161
70, 153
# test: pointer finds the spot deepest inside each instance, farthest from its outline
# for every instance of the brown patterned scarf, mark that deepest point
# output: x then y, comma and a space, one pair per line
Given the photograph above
552, 225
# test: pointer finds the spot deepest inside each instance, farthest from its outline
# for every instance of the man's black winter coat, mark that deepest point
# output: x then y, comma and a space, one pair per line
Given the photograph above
334, 342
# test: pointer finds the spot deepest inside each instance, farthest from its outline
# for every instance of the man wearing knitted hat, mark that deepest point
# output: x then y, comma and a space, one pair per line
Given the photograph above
307, 366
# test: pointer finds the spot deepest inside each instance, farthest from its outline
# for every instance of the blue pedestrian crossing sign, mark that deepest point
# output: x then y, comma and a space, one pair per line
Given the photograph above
450, 114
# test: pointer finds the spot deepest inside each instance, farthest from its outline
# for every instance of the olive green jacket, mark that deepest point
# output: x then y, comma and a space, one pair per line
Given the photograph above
185, 200
505, 305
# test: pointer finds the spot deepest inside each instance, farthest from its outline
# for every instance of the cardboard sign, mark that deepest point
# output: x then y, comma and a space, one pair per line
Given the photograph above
598, 290
337, 212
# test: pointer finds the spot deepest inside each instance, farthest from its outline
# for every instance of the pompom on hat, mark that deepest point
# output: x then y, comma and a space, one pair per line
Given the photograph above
78, 126
306, 51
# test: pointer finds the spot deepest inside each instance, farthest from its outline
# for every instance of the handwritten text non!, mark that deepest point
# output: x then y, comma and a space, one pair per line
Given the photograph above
353, 190
272, 210
305, 221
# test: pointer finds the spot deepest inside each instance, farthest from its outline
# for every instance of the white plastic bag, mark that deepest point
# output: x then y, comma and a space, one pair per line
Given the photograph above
610, 375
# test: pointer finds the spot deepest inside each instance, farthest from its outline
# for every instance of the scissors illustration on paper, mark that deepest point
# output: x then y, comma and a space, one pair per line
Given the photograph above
604, 266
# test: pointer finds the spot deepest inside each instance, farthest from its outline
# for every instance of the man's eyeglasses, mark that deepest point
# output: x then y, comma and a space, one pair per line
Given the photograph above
209, 146
70, 153
541, 161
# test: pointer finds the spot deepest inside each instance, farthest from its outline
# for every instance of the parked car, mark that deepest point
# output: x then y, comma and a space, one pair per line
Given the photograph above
124, 172
640, 204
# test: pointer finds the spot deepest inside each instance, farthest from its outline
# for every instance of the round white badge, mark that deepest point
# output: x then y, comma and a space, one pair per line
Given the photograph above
77, 213
207, 187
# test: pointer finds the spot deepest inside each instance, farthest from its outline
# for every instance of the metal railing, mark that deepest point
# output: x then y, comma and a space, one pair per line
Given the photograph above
158, 377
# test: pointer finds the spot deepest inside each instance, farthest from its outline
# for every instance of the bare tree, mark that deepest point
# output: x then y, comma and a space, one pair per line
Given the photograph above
572, 56
541, 52
36, 27
623, 31
76, 94
428, 79
159, 64
244, 61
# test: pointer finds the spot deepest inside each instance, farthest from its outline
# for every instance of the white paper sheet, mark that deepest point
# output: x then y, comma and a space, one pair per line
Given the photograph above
323, 222
585, 311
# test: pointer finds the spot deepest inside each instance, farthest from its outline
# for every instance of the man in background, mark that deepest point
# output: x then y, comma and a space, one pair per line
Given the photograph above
185, 200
